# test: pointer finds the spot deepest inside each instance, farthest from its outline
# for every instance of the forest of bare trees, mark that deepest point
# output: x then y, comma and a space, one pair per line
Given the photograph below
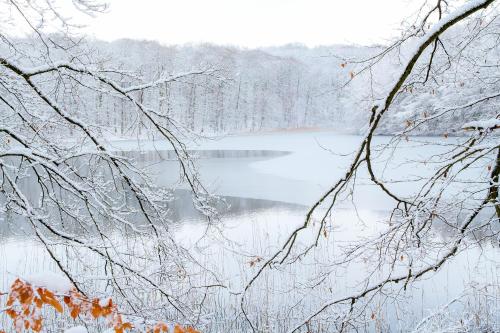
102, 219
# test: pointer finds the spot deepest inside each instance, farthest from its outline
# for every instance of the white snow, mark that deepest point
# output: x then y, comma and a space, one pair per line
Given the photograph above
54, 282
469, 5
483, 124
104, 301
444, 21
76, 329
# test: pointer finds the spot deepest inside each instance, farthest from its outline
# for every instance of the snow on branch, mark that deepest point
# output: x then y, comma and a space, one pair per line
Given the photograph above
481, 125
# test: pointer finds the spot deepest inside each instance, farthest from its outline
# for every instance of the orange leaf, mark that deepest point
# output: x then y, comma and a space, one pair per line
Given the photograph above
56, 305
37, 325
108, 309
75, 311
38, 302
178, 329
10, 300
16, 285
26, 295
160, 327
127, 326
96, 310
119, 328
49, 298
12, 313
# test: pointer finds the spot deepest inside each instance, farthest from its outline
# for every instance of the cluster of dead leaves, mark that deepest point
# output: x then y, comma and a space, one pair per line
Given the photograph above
25, 302
26, 313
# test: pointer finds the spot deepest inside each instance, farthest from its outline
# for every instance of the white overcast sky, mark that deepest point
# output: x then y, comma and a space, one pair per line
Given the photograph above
253, 23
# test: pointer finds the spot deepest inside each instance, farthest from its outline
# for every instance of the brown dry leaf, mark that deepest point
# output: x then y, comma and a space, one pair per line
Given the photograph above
75, 311
49, 298
160, 327
128, 326
12, 313
96, 310
38, 302
178, 329
37, 325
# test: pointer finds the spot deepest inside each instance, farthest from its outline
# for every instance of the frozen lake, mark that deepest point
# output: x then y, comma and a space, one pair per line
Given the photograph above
267, 182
